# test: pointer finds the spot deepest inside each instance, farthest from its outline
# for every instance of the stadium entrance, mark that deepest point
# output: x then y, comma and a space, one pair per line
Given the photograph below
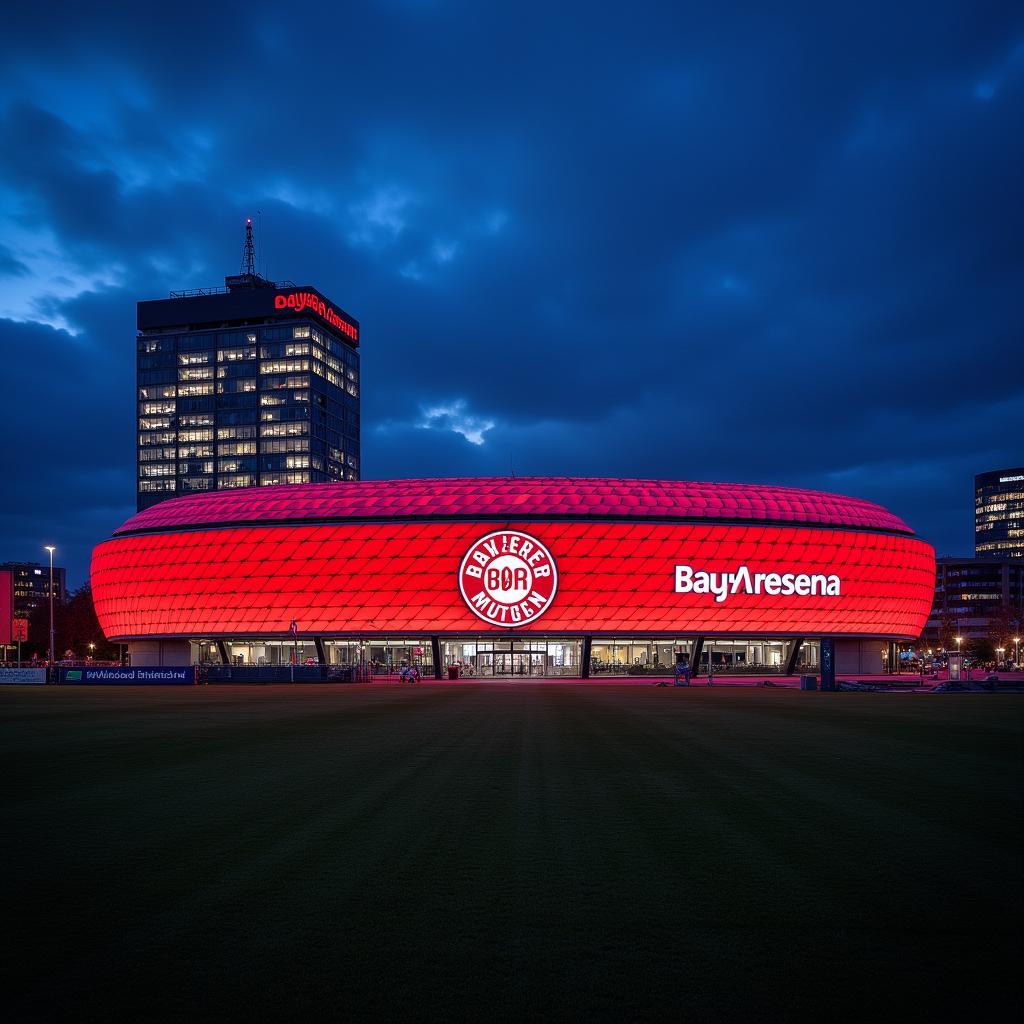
485, 658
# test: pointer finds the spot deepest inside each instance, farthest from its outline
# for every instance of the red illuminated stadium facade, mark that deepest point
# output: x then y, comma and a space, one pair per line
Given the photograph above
515, 577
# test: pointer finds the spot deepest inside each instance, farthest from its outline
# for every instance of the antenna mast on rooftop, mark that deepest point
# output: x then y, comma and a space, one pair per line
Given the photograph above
248, 251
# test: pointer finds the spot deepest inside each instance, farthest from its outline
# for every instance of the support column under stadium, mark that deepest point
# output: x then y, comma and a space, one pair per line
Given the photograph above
435, 650
698, 648
791, 655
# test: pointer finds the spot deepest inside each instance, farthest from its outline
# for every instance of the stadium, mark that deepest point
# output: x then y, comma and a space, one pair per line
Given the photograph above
515, 577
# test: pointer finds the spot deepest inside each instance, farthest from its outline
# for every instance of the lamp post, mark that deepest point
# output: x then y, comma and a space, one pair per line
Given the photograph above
294, 630
1016, 652
51, 549
959, 640
1000, 651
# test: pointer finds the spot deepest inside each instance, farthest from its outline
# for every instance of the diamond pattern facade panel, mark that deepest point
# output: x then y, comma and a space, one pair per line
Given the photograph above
613, 577
507, 497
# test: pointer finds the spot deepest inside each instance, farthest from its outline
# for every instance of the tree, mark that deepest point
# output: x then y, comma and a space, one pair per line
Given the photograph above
947, 631
1003, 627
75, 627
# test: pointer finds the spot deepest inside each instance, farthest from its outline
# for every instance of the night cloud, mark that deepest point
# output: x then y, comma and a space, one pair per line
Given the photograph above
724, 244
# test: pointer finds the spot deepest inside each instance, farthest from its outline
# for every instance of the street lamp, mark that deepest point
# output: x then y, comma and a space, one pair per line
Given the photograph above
1000, 651
1016, 651
92, 647
51, 549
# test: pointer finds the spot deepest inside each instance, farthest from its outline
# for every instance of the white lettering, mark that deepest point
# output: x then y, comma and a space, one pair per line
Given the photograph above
684, 579
721, 584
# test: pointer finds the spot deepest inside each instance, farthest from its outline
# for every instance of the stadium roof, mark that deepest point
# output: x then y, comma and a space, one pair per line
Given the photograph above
515, 498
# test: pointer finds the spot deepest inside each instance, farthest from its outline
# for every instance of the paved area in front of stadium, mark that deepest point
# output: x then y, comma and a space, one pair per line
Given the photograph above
503, 850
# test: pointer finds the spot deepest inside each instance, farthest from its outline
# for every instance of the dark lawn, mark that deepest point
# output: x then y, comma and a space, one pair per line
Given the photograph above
510, 850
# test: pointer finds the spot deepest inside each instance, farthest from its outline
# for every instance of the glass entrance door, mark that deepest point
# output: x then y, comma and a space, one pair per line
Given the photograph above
519, 663
505, 658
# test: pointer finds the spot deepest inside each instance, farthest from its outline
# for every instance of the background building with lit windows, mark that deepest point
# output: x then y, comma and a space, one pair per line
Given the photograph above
981, 600
31, 586
999, 514
252, 384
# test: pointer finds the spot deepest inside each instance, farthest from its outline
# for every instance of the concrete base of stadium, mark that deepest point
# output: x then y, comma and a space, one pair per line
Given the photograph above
146, 653
857, 657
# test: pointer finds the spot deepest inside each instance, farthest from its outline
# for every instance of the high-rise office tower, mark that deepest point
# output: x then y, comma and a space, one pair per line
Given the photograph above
252, 384
999, 514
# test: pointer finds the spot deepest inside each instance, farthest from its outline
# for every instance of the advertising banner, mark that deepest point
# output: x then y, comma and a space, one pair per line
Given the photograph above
155, 675
22, 675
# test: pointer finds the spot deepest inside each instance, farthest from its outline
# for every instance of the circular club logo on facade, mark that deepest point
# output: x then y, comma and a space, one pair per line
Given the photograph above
508, 578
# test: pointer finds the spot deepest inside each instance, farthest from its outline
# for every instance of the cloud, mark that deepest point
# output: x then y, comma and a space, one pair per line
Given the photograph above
454, 417
9, 265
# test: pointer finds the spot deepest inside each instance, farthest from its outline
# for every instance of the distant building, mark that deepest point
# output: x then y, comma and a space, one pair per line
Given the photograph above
999, 514
31, 582
252, 384
970, 595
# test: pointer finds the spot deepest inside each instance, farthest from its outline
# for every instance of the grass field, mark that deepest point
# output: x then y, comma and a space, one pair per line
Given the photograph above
507, 850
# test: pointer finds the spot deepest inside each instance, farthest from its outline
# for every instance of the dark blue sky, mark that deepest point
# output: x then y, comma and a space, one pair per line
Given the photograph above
709, 243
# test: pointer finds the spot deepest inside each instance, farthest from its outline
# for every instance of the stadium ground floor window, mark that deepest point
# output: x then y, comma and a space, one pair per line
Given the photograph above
477, 658
809, 657
205, 652
486, 657
382, 655
757, 655
261, 653
625, 656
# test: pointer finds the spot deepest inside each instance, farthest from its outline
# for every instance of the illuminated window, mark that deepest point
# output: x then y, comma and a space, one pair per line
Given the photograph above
284, 429
270, 479
241, 385
155, 422
236, 480
155, 454
284, 365
234, 355
236, 465
234, 433
294, 444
